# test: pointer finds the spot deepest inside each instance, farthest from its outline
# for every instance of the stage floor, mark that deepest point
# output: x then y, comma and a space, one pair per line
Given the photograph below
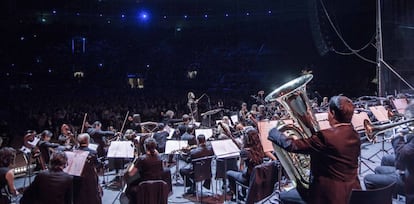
371, 157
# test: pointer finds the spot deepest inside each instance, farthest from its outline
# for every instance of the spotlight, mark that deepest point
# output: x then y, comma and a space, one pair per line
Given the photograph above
123, 16
205, 16
143, 16
185, 16
227, 15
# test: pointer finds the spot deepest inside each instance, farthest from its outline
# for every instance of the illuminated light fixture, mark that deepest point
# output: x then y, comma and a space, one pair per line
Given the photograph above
143, 16
54, 11
165, 17
269, 12
227, 15
123, 16
205, 16
247, 14
100, 15
185, 16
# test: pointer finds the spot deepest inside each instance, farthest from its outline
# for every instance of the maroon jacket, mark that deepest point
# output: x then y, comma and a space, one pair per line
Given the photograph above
334, 156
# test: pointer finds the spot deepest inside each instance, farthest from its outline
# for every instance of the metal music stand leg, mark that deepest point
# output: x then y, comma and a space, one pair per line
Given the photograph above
177, 175
361, 161
383, 150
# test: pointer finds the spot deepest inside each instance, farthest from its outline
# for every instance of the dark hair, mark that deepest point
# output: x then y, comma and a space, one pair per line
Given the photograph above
7, 156
96, 124
46, 133
57, 160
150, 145
252, 144
342, 108
201, 139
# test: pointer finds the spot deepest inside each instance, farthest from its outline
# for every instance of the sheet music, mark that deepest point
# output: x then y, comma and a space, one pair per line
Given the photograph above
323, 121
264, 128
175, 145
225, 148
206, 132
400, 104
34, 142
76, 162
380, 113
170, 133
121, 149
358, 120
234, 119
93, 146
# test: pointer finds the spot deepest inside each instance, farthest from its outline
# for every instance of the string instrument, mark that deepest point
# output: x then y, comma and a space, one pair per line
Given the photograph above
230, 135
131, 179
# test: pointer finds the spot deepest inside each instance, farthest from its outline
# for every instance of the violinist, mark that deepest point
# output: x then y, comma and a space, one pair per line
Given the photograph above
99, 137
161, 137
147, 167
201, 151
66, 136
86, 187
46, 147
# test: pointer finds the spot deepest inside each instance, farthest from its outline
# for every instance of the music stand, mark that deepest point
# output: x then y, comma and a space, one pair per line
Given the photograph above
381, 114
120, 151
225, 149
358, 123
400, 104
174, 147
264, 127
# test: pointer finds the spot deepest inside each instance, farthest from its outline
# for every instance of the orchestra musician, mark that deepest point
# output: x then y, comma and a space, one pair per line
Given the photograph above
146, 167
243, 113
86, 187
7, 158
201, 151
333, 153
46, 147
52, 185
251, 155
192, 106
160, 137
99, 136
66, 136
401, 169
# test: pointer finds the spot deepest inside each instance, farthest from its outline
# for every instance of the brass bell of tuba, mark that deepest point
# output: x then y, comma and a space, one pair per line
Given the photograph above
292, 96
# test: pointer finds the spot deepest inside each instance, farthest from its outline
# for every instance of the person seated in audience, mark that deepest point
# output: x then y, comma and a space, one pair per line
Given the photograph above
188, 172
251, 155
403, 171
7, 158
52, 185
147, 167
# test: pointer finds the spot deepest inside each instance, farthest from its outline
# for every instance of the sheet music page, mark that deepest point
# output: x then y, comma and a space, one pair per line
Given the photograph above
225, 148
34, 142
322, 119
121, 149
170, 133
206, 132
380, 113
400, 104
76, 162
175, 145
264, 128
234, 119
93, 146
358, 120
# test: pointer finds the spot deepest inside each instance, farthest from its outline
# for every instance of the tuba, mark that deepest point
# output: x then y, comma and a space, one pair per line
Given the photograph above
373, 130
292, 96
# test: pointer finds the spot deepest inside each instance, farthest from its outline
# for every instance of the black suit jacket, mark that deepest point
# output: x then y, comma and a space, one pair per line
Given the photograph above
334, 156
49, 187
